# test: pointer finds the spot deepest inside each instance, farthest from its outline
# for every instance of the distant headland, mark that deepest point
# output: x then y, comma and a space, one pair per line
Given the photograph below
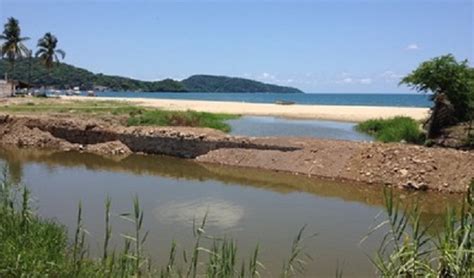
65, 76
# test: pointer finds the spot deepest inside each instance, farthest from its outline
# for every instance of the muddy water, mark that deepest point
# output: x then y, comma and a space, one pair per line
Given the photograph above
249, 205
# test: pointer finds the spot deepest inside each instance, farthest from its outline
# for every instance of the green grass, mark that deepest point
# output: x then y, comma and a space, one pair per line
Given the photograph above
393, 130
181, 118
407, 250
136, 116
77, 107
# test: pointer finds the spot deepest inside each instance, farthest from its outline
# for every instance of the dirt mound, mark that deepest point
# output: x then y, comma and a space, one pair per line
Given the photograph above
414, 167
15, 132
109, 148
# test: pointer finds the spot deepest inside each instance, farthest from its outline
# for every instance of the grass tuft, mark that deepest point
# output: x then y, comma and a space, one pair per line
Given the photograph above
393, 130
407, 250
181, 118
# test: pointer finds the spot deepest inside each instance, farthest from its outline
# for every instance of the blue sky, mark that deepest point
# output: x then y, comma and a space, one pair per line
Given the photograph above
318, 46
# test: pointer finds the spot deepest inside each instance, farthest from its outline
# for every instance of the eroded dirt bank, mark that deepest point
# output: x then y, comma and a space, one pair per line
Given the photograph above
406, 166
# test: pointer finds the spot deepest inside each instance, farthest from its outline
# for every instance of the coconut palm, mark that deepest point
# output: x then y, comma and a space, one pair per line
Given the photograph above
12, 48
47, 51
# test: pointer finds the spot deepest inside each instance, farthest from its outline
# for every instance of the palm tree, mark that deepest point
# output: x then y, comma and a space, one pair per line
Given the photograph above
12, 48
47, 51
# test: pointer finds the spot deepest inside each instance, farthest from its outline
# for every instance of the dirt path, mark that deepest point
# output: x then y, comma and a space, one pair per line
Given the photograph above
405, 166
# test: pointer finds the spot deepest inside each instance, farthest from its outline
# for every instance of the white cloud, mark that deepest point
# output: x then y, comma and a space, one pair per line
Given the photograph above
268, 76
412, 46
352, 80
220, 213
345, 74
347, 80
391, 76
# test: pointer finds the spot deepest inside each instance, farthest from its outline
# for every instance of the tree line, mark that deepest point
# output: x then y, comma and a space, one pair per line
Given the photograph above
13, 47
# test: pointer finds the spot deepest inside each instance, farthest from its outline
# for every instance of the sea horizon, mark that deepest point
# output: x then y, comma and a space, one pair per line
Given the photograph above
352, 99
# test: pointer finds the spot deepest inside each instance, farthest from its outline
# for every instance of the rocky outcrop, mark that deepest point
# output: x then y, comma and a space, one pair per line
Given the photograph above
405, 166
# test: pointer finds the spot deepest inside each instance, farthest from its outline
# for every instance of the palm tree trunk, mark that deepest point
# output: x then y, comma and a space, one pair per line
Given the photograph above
29, 72
12, 69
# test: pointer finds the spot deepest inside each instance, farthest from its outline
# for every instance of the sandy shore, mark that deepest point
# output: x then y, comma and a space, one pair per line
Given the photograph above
322, 112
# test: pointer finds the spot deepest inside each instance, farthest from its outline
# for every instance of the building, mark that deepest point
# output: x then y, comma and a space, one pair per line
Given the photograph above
5, 88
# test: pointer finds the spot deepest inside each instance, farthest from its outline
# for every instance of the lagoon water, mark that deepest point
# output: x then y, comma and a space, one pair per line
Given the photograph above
273, 126
375, 99
252, 206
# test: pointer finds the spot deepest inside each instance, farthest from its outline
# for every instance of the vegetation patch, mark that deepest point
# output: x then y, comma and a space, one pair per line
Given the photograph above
393, 130
408, 250
181, 118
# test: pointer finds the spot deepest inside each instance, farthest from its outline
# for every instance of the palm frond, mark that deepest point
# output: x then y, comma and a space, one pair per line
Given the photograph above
61, 52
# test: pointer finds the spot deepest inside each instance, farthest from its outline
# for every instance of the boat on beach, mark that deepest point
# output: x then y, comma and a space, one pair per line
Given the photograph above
284, 102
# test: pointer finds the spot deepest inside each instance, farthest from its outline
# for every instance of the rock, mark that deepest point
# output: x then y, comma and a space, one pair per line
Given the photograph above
415, 186
404, 172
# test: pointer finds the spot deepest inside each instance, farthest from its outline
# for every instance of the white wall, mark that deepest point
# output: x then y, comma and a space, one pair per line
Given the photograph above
5, 89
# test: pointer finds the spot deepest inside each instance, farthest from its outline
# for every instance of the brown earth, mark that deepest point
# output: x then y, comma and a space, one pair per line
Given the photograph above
400, 165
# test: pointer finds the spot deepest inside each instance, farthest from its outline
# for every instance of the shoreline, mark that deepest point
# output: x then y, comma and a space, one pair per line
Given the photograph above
344, 113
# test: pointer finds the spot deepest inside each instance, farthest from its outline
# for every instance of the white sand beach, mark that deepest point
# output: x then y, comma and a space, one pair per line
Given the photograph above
321, 112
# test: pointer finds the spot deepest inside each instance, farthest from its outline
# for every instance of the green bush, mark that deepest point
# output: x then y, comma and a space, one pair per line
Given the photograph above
393, 130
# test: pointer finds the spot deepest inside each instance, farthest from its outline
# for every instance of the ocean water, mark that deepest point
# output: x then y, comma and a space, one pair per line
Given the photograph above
406, 100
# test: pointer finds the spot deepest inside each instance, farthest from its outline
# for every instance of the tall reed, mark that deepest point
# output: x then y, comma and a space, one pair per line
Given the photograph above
407, 250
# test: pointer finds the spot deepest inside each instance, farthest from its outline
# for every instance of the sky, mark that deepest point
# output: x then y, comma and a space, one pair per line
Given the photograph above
318, 46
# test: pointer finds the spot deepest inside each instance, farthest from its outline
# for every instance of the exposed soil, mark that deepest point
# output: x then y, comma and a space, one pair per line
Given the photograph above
400, 165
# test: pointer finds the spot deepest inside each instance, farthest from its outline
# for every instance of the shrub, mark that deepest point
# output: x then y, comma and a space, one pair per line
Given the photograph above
393, 130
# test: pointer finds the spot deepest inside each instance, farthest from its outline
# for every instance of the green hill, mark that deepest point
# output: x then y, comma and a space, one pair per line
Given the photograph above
212, 83
64, 76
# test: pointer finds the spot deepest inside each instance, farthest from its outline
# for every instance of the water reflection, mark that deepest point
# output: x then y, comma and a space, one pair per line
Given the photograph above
274, 126
165, 166
250, 205
219, 213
